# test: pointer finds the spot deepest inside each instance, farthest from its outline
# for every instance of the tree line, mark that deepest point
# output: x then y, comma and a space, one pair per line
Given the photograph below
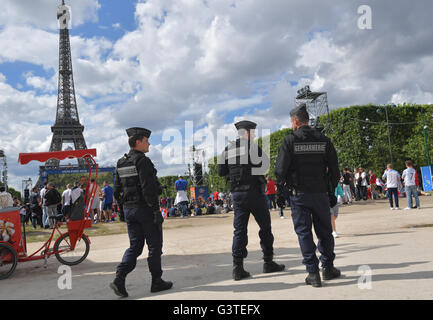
361, 139
360, 136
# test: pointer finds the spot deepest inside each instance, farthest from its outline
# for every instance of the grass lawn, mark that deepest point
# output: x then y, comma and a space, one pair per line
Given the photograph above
103, 229
100, 229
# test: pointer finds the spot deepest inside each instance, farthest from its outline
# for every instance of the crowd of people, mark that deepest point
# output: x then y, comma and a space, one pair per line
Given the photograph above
360, 185
356, 185
48, 202
216, 203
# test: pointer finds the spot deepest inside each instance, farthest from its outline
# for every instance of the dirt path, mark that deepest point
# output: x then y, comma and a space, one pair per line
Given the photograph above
197, 258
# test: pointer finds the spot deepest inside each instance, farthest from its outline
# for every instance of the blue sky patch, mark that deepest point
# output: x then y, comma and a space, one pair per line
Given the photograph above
15, 71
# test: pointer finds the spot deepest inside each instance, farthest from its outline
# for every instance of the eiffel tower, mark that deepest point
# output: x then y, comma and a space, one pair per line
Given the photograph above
67, 128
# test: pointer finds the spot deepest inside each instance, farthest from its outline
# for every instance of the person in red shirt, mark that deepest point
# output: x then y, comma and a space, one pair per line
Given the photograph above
215, 196
270, 193
373, 185
163, 202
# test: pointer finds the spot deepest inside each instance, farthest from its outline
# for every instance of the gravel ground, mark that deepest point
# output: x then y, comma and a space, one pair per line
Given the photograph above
373, 241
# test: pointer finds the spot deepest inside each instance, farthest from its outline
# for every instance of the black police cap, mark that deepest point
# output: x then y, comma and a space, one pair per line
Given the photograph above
301, 109
138, 131
245, 124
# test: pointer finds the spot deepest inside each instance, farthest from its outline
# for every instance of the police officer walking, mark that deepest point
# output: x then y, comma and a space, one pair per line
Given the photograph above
307, 163
137, 187
245, 165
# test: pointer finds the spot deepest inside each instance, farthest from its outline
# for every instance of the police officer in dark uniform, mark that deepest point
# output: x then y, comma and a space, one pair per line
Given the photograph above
137, 188
245, 165
307, 163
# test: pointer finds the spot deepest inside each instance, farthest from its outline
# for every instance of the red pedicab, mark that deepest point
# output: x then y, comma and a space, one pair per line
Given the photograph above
70, 248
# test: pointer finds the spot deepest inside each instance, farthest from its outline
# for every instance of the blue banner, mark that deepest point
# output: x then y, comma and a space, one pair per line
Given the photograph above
70, 171
45, 173
202, 191
426, 173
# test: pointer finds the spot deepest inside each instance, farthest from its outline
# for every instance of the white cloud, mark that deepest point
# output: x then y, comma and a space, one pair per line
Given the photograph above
214, 62
23, 43
42, 13
318, 51
46, 85
416, 95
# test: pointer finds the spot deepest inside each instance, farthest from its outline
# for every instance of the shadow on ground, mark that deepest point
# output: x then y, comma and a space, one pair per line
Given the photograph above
198, 272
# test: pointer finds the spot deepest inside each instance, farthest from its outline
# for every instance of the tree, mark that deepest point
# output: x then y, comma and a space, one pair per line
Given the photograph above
360, 136
14, 193
216, 183
167, 183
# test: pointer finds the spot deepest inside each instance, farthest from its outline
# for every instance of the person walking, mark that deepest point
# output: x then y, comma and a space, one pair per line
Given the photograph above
307, 163
52, 199
410, 186
357, 182
181, 200
373, 185
363, 185
44, 207
347, 180
36, 208
66, 201
334, 210
245, 164
283, 200
96, 200
270, 193
107, 202
392, 182
137, 187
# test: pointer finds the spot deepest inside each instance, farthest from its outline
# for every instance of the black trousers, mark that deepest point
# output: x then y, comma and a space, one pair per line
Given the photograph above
363, 193
272, 204
141, 229
391, 192
312, 210
358, 193
244, 203
36, 216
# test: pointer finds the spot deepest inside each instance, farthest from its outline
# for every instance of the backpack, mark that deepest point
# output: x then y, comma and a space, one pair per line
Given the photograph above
57, 197
34, 201
77, 209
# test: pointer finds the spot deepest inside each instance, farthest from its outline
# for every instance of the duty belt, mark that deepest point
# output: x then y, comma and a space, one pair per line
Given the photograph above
244, 187
247, 187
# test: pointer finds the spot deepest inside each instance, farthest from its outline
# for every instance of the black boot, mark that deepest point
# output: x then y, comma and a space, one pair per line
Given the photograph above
160, 285
330, 273
238, 270
118, 285
271, 266
313, 279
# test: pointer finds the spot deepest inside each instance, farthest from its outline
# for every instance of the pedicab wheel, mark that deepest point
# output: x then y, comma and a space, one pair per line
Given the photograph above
68, 256
8, 260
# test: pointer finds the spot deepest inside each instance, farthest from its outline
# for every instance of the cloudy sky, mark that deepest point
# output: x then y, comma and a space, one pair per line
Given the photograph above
159, 63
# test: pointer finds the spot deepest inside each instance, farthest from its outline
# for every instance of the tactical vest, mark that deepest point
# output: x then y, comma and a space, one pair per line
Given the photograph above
129, 179
240, 176
308, 170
